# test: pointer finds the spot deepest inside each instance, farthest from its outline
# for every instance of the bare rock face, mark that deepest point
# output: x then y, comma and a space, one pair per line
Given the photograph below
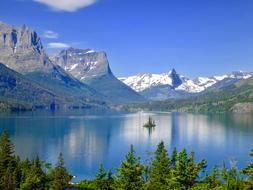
21, 50
243, 108
83, 63
92, 68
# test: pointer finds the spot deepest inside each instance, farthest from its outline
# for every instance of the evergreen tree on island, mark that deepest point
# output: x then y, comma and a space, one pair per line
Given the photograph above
150, 124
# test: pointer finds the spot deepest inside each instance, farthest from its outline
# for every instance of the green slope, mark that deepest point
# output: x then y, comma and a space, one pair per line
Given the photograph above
17, 92
114, 90
15, 89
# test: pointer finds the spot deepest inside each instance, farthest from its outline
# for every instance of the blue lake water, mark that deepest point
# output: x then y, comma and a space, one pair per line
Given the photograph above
88, 139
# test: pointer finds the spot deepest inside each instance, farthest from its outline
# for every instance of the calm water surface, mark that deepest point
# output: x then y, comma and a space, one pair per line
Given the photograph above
86, 140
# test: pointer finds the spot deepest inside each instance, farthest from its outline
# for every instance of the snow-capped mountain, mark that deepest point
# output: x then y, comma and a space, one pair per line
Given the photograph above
173, 85
21, 50
92, 68
82, 63
144, 81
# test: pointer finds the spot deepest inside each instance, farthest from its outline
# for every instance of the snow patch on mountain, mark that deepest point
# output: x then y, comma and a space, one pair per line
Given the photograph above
143, 81
146, 81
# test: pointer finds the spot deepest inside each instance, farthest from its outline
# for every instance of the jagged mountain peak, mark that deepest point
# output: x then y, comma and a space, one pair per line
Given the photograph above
21, 49
172, 71
80, 51
171, 84
143, 81
20, 38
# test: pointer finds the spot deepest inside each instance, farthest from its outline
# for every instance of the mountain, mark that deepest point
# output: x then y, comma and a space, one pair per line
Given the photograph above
92, 68
21, 49
172, 85
14, 87
236, 97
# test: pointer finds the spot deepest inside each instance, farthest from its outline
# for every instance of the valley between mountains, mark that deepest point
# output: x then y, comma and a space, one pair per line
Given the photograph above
75, 78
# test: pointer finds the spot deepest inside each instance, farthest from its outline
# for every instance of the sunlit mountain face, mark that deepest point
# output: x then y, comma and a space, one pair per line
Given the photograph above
173, 85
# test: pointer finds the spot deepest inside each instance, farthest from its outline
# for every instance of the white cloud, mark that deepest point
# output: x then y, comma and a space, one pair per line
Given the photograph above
57, 45
50, 34
66, 5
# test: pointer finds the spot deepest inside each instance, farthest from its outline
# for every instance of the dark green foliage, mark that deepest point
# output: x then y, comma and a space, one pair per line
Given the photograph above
186, 170
232, 179
130, 173
61, 177
42, 90
150, 123
212, 180
26, 167
6, 162
160, 169
36, 179
6, 151
173, 157
85, 185
103, 180
249, 172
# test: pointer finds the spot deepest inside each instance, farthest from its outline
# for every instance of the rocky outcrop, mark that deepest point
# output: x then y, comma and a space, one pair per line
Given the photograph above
21, 50
243, 108
83, 63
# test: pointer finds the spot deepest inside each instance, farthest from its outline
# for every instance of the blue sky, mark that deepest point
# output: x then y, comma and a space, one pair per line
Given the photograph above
196, 37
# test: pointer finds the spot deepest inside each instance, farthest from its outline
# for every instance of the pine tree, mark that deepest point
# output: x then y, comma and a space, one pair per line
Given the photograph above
36, 177
17, 171
61, 177
6, 161
173, 158
248, 171
212, 180
25, 169
180, 169
232, 179
7, 179
103, 180
160, 169
193, 169
130, 174
6, 151
186, 170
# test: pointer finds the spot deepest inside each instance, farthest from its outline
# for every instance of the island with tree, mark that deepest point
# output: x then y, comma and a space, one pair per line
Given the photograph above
150, 124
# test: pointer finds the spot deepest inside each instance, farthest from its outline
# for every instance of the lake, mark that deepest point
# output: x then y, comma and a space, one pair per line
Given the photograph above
88, 139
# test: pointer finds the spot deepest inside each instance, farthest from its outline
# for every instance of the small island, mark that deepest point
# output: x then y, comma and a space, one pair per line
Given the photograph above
150, 124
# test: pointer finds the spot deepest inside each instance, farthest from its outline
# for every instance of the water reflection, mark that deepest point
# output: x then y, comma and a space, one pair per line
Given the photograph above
89, 139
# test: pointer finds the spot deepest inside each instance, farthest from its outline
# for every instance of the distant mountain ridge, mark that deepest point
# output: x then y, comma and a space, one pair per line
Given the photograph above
172, 85
236, 98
